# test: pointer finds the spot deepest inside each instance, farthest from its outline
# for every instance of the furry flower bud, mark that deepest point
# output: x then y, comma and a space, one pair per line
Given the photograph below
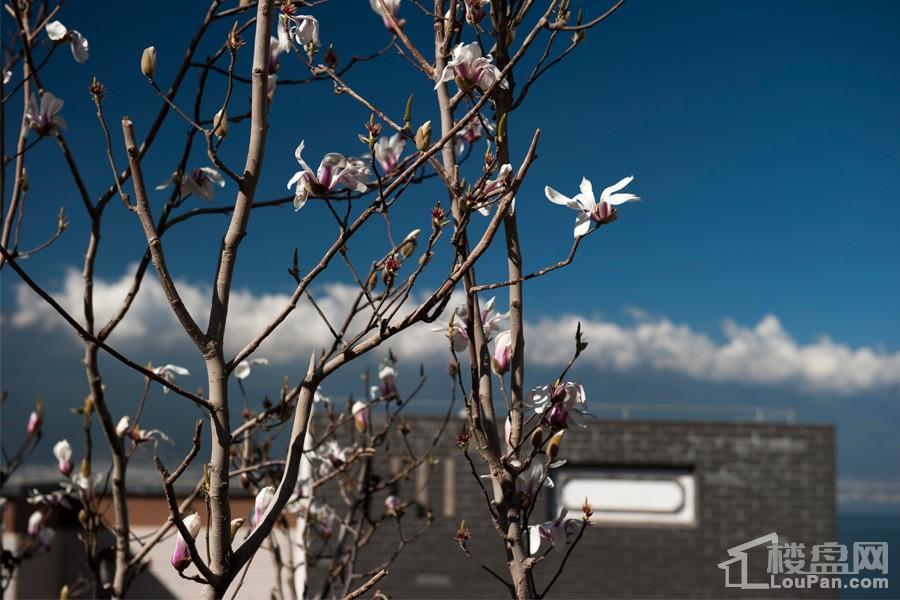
148, 61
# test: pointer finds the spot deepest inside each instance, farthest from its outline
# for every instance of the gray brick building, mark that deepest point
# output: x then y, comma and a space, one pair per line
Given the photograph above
739, 482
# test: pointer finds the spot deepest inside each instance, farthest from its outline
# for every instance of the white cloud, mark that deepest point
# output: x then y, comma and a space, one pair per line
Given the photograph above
765, 354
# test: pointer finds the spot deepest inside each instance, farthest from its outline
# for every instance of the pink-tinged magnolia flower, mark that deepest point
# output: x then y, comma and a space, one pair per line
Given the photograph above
494, 187
387, 380
84, 483
45, 120
591, 211
491, 318
360, 412
388, 151
263, 499
334, 170
393, 9
242, 371
455, 328
199, 182
559, 530
502, 352
62, 450
531, 480
59, 33
168, 372
470, 69
35, 523
181, 557
35, 420
475, 10
392, 505
559, 403
471, 132
322, 518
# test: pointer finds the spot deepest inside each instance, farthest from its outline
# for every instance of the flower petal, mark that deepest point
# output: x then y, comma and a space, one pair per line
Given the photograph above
582, 225
615, 188
617, 199
56, 31
557, 198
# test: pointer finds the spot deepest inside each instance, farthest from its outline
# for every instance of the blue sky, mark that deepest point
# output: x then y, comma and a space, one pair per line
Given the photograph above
763, 138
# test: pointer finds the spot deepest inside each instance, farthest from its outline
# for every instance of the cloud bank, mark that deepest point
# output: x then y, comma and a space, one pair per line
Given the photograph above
764, 354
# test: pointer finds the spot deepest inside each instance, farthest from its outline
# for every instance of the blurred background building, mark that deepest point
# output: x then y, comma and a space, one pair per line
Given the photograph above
670, 499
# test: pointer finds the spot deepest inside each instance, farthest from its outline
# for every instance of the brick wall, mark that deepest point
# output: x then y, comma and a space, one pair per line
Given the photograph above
751, 479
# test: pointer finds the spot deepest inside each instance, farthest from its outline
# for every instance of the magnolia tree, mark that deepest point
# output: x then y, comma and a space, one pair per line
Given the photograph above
485, 58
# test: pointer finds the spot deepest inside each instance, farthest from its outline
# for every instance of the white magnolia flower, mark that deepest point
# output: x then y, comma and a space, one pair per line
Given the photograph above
559, 403
45, 120
589, 209
7, 76
388, 151
51, 499
393, 9
62, 451
141, 436
559, 530
330, 456
470, 69
334, 170
277, 46
58, 32
199, 182
168, 372
302, 29
530, 481
242, 371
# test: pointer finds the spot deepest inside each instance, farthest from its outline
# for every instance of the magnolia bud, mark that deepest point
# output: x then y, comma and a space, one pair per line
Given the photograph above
372, 281
220, 123
148, 61
263, 498
423, 136
408, 245
586, 510
553, 444
537, 437
235, 525
360, 413
64, 593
